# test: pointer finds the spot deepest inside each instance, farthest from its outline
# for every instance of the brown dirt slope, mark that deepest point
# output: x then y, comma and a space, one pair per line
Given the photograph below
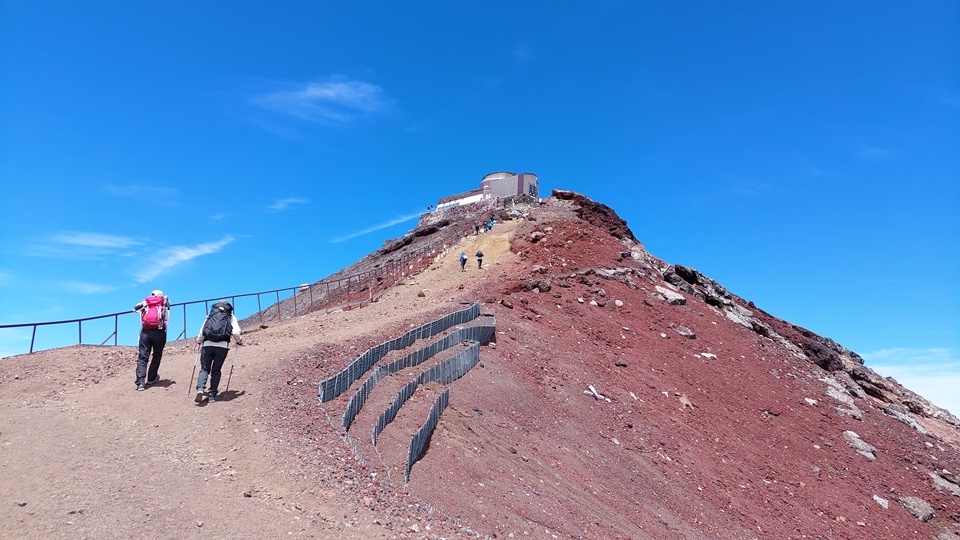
622, 397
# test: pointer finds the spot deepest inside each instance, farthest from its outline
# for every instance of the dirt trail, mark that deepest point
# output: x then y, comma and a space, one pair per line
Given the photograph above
101, 460
84, 455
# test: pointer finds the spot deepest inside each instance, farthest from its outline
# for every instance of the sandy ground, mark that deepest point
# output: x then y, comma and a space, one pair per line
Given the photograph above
84, 455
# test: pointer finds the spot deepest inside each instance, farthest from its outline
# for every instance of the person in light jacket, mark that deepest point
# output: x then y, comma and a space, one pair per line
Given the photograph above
214, 348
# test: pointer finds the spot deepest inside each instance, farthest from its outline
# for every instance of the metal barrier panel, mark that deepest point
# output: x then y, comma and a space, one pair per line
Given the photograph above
420, 437
443, 373
478, 334
360, 397
358, 367
390, 412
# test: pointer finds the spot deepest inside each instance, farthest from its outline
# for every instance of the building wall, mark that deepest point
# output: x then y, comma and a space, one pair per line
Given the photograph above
493, 186
506, 184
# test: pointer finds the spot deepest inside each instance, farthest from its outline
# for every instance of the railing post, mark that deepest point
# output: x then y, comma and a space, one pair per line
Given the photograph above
334, 291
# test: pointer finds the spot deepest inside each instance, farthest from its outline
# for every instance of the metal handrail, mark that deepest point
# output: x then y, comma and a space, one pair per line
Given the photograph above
116, 316
397, 267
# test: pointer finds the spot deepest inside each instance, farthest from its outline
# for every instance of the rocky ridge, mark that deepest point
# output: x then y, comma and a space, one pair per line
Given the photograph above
621, 397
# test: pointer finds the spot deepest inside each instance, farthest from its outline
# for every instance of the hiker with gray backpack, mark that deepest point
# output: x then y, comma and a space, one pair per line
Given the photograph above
214, 342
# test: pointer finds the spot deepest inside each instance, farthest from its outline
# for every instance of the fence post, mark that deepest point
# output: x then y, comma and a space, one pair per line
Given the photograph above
335, 291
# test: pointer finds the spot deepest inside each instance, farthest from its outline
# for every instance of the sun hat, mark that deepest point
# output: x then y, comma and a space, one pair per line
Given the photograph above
156, 292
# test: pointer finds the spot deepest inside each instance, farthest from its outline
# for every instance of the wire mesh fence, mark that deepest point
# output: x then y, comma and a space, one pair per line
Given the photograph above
332, 387
481, 333
420, 438
443, 373
475, 331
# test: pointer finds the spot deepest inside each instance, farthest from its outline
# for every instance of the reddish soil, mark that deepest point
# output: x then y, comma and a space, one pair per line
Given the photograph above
727, 433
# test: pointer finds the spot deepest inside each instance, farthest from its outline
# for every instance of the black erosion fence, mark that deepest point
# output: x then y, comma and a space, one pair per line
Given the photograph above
420, 438
471, 330
332, 387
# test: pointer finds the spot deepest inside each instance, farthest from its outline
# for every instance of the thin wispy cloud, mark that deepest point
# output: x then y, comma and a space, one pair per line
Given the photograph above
375, 228
83, 287
918, 358
80, 245
175, 256
95, 240
950, 100
820, 173
933, 373
336, 100
143, 193
873, 154
6, 278
522, 53
744, 188
283, 204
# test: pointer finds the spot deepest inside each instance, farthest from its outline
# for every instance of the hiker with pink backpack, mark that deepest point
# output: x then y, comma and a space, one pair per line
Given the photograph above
154, 316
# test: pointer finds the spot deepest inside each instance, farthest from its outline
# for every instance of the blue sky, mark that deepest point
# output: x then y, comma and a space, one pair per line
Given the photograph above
806, 156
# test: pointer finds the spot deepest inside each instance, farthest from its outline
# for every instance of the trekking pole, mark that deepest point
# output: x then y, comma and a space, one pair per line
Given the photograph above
190, 386
233, 360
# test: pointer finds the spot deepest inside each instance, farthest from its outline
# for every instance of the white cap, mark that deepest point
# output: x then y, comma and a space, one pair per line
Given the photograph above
157, 292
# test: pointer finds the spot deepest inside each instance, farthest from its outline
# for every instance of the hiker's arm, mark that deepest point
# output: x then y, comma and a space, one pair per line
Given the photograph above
200, 333
139, 306
235, 329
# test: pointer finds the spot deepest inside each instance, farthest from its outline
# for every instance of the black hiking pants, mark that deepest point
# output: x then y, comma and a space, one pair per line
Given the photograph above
211, 361
150, 340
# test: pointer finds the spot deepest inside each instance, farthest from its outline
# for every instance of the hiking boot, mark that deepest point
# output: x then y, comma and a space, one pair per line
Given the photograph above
154, 380
199, 396
141, 387
212, 398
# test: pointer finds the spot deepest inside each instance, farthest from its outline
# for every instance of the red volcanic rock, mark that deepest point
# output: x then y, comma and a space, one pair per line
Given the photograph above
586, 423
620, 397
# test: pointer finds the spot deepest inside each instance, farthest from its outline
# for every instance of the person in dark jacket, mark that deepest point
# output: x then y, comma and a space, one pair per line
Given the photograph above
214, 353
479, 259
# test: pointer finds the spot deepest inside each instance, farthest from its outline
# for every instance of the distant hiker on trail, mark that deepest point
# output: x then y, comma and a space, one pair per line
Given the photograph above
214, 338
154, 316
463, 261
490, 224
476, 227
479, 259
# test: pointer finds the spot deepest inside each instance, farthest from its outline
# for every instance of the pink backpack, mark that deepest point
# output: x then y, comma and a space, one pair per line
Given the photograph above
154, 312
